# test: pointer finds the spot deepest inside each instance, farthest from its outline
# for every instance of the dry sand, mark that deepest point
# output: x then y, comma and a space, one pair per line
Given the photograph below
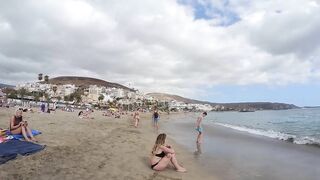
99, 148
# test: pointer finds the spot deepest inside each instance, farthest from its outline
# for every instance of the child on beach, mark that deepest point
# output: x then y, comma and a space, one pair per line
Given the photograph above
19, 126
162, 155
199, 127
136, 118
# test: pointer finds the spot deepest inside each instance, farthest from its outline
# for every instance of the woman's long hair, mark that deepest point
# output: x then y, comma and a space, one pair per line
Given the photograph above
161, 139
18, 111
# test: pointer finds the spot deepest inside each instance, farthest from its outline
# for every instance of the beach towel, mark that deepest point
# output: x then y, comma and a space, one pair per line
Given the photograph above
10, 149
20, 136
7, 157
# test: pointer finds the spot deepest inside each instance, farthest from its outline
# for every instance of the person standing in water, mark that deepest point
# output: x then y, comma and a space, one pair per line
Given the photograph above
199, 127
155, 117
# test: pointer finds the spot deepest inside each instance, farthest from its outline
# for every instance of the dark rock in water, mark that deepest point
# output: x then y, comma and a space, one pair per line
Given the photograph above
290, 139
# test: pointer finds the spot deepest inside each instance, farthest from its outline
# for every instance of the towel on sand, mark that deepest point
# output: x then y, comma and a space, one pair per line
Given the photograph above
20, 136
10, 149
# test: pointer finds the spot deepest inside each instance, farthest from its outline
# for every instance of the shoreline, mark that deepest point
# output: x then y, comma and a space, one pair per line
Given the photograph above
100, 148
232, 154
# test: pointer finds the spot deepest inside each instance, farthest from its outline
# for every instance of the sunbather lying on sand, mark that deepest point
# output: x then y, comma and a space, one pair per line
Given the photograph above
84, 115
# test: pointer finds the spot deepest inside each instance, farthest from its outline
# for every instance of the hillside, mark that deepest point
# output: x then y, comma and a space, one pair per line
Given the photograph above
169, 97
228, 106
5, 86
258, 106
85, 82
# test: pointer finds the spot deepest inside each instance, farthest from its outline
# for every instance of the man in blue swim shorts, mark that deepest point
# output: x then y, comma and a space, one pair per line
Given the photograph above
199, 127
156, 117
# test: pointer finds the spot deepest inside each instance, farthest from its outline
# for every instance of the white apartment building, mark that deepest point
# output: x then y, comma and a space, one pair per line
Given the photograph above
31, 87
63, 90
116, 92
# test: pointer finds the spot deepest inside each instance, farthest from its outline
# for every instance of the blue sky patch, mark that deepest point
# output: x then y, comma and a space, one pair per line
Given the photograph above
203, 10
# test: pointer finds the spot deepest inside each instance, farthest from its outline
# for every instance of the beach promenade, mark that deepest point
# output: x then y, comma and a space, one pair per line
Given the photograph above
99, 148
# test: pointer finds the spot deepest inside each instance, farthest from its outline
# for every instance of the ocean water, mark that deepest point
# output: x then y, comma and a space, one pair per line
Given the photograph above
259, 145
300, 126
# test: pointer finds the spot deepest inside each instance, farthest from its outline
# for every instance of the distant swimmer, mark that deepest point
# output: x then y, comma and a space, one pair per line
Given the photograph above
199, 127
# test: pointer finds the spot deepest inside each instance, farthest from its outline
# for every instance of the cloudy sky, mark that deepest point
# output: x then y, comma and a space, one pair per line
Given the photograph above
216, 50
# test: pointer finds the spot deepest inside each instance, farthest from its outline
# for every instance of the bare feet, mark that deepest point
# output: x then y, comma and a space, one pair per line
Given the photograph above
29, 140
181, 170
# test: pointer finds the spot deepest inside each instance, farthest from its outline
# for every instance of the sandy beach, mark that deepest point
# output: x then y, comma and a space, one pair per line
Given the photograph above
99, 148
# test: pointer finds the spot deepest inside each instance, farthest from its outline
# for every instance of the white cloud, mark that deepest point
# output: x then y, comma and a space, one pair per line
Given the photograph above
158, 45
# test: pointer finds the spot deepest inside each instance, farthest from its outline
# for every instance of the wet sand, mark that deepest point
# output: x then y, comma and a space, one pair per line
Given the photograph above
99, 148
229, 154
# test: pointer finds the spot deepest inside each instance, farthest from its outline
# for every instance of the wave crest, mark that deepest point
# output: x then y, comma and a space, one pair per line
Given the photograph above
276, 135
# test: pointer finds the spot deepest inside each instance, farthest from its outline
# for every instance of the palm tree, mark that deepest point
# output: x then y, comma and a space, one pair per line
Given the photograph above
22, 92
54, 89
40, 77
46, 78
101, 97
46, 95
36, 97
78, 98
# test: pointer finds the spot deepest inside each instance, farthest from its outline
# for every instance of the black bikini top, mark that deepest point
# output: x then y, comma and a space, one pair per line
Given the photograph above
17, 120
162, 154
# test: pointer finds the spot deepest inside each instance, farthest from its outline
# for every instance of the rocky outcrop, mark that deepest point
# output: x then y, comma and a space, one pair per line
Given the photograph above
248, 106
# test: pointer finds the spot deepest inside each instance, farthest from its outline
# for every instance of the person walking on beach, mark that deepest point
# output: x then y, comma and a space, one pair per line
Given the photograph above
136, 118
156, 117
43, 107
162, 155
199, 127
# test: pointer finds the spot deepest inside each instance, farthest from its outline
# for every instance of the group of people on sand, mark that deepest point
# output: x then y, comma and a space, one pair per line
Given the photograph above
155, 118
114, 113
162, 155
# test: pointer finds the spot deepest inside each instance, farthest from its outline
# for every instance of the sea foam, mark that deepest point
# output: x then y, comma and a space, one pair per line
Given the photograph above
274, 134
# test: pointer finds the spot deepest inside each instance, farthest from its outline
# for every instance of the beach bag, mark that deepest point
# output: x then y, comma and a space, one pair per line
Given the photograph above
3, 132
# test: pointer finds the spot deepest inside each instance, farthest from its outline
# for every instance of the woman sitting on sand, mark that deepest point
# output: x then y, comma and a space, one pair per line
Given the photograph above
19, 126
163, 154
